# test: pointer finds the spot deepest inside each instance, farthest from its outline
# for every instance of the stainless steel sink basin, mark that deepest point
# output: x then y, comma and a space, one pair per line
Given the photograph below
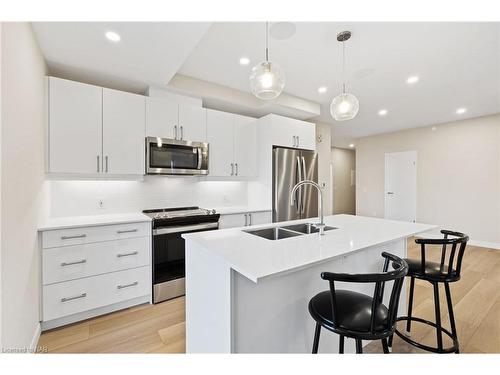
305, 228
274, 233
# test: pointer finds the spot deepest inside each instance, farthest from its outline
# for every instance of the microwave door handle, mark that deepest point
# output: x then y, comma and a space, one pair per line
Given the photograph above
200, 157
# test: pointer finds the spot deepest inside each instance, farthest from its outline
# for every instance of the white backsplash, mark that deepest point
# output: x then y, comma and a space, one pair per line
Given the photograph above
80, 197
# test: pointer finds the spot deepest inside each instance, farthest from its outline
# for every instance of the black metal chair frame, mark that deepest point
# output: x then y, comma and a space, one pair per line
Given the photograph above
397, 275
448, 274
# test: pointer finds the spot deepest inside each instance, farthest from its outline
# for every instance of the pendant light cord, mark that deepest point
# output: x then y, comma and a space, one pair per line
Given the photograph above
343, 67
267, 41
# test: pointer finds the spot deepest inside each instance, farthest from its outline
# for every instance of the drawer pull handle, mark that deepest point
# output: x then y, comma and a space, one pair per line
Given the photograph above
127, 254
127, 285
126, 231
66, 299
71, 237
63, 264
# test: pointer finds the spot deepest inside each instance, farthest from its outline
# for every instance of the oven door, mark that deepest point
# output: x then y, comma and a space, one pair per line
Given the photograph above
169, 156
169, 259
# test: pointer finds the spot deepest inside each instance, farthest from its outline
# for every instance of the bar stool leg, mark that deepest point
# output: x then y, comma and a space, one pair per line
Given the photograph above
391, 337
341, 344
385, 346
316, 338
359, 347
410, 305
438, 317
450, 312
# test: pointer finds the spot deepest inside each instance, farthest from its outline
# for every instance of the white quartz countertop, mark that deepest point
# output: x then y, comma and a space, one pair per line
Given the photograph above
240, 210
91, 220
255, 257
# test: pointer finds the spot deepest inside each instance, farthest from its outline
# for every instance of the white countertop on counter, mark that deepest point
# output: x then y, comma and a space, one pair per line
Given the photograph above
91, 220
240, 210
255, 257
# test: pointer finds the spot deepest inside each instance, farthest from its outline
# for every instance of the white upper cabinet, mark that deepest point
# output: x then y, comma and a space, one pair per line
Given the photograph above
162, 118
75, 127
220, 134
123, 132
245, 146
168, 119
192, 124
293, 133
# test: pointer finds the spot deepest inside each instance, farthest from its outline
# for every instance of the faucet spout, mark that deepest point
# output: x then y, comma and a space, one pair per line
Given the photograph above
321, 224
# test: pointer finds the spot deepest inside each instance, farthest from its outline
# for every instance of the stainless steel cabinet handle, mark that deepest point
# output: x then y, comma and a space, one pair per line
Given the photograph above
106, 160
390, 192
127, 231
232, 169
246, 219
236, 169
298, 141
127, 254
98, 166
182, 132
305, 178
175, 132
63, 264
71, 237
66, 299
127, 285
294, 141
250, 217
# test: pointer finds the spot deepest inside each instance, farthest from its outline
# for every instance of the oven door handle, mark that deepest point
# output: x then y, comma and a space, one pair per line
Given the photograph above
200, 157
184, 228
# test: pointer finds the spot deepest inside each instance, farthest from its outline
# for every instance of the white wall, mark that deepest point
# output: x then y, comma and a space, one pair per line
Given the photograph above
69, 198
0, 186
343, 192
458, 175
22, 177
323, 148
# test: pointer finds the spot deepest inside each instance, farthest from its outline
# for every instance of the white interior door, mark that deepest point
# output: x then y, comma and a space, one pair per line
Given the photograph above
401, 186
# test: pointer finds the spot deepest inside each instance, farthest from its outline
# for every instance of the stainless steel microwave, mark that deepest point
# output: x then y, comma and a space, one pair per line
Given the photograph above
174, 157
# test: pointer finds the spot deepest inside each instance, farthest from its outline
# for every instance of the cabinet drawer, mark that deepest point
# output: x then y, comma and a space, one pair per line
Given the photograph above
83, 235
75, 296
77, 261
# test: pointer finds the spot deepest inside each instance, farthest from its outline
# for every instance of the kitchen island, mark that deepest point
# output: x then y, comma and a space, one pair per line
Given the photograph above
249, 294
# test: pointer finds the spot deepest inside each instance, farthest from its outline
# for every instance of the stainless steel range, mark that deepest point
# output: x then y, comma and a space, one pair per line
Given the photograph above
168, 246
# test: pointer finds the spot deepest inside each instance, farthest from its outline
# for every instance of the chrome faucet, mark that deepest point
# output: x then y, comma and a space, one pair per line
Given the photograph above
321, 224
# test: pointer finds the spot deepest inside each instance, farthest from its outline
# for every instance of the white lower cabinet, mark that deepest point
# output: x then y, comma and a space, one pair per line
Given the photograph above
87, 270
245, 219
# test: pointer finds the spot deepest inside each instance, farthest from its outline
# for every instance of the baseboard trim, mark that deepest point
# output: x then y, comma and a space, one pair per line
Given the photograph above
36, 337
435, 234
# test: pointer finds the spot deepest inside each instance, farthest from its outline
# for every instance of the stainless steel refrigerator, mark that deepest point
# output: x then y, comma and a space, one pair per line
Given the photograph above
289, 167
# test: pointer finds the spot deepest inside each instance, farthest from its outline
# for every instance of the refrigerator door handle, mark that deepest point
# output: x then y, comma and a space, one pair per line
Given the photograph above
305, 178
298, 200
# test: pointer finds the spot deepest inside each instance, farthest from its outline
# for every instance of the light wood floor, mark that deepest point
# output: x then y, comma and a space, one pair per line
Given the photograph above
160, 328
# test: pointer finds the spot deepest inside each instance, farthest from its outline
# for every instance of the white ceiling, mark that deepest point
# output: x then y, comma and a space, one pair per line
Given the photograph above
458, 64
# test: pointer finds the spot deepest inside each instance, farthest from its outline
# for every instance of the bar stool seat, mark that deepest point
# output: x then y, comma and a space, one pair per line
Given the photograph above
354, 311
432, 271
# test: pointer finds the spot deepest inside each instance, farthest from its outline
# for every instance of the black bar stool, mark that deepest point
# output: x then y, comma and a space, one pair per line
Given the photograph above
443, 272
357, 315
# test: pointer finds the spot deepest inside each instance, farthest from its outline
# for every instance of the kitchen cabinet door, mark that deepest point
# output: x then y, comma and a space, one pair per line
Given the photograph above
246, 154
192, 124
162, 118
232, 221
287, 132
220, 133
75, 126
123, 132
261, 217
307, 135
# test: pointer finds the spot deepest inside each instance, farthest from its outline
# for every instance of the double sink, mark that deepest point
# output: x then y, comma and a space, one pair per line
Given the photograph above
279, 233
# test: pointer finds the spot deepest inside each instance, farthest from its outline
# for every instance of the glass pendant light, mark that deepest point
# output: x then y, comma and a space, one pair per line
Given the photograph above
344, 106
267, 79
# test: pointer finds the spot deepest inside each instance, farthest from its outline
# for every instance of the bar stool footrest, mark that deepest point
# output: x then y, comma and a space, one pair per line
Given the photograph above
451, 349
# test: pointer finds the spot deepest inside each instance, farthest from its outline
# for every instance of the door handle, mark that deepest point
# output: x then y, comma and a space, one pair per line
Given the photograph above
126, 231
127, 254
305, 178
106, 159
127, 285
294, 141
98, 166
175, 132
182, 132
236, 169
299, 191
250, 218
246, 219
64, 264
390, 193
71, 237
66, 299
298, 141
232, 169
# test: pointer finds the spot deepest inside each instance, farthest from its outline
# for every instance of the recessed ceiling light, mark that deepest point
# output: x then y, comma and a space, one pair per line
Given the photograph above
244, 61
112, 36
461, 111
412, 79
322, 89
351, 145
382, 112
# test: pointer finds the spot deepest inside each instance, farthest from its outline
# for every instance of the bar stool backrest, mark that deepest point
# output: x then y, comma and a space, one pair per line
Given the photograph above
451, 262
400, 269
